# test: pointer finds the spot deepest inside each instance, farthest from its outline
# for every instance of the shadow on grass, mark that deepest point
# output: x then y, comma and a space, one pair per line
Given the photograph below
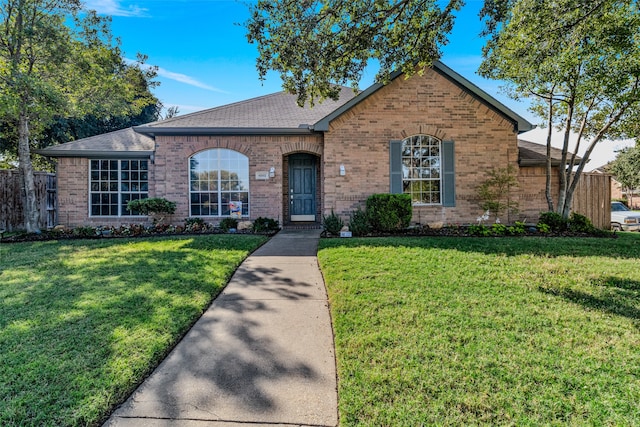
620, 297
82, 322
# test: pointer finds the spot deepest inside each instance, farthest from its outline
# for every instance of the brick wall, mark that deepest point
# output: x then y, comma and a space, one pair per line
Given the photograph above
430, 104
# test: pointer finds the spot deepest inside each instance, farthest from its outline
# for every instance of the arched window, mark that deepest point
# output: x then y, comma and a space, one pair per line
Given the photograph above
219, 179
421, 169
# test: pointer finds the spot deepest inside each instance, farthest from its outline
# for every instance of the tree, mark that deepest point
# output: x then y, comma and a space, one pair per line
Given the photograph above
579, 61
626, 169
318, 44
56, 57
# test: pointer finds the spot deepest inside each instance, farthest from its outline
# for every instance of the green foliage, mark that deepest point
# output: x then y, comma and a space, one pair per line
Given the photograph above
317, 45
517, 229
359, 223
228, 223
554, 221
58, 60
157, 207
517, 328
626, 169
580, 223
479, 230
265, 225
85, 321
332, 223
495, 192
543, 228
389, 212
581, 71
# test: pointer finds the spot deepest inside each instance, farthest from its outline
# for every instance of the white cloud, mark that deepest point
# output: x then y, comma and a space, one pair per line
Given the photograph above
114, 8
182, 78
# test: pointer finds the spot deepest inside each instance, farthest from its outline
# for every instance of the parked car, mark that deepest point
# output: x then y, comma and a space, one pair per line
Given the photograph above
623, 218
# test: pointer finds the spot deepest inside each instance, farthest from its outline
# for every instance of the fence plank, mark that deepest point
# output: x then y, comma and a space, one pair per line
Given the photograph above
11, 207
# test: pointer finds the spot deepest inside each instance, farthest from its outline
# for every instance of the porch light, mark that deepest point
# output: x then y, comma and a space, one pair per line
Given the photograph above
272, 172
342, 171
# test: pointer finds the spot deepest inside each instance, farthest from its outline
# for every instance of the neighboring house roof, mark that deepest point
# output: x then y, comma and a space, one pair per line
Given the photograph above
534, 154
126, 142
275, 113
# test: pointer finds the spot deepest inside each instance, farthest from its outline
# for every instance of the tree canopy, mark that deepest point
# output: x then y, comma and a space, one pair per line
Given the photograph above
579, 61
317, 44
626, 169
59, 60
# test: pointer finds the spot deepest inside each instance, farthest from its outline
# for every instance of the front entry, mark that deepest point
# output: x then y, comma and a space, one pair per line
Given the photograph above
302, 187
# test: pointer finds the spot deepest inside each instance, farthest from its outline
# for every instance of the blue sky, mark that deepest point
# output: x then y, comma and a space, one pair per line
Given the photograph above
204, 58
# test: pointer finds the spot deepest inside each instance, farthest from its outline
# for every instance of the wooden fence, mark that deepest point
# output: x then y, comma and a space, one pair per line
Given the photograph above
592, 199
11, 208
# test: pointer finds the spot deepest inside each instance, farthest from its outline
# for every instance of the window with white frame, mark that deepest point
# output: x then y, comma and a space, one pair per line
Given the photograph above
219, 178
421, 169
113, 183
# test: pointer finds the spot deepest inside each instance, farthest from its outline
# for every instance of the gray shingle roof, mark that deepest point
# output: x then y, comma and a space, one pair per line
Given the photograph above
125, 142
534, 154
277, 111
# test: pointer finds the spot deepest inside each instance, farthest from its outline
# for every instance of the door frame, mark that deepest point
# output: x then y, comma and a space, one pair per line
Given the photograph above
308, 217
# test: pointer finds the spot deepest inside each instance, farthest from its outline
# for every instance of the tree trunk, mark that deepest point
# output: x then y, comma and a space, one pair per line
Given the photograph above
29, 202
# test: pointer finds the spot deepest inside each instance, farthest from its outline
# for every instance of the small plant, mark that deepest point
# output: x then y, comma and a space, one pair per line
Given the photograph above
544, 228
86, 231
194, 224
359, 223
156, 207
479, 230
228, 223
499, 229
517, 229
332, 223
389, 212
265, 225
554, 220
495, 192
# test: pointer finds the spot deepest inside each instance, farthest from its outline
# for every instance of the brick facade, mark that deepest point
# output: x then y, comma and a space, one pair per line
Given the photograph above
358, 139
431, 105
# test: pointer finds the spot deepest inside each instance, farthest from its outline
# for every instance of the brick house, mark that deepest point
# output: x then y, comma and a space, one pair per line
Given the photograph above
434, 136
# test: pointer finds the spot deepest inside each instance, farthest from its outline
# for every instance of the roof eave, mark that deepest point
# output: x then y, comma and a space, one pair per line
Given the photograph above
96, 154
147, 130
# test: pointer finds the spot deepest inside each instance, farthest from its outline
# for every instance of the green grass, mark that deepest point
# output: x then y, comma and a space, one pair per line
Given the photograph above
468, 331
83, 322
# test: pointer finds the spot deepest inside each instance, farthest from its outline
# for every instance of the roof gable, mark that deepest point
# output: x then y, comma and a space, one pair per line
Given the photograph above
520, 123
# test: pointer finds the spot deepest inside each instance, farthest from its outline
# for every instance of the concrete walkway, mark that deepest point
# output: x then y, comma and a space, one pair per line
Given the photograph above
262, 354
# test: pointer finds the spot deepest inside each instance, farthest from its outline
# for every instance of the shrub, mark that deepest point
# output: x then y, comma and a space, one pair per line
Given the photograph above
359, 223
332, 223
265, 225
228, 223
389, 212
499, 229
580, 223
156, 207
553, 220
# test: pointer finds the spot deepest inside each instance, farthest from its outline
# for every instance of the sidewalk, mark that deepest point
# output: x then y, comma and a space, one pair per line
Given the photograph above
262, 354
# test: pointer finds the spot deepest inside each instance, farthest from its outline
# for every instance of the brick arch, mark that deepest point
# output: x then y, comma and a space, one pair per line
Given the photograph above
432, 130
198, 144
302, 147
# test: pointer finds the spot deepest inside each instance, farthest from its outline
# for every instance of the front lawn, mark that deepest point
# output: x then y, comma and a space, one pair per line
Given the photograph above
82, 322
468, 331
